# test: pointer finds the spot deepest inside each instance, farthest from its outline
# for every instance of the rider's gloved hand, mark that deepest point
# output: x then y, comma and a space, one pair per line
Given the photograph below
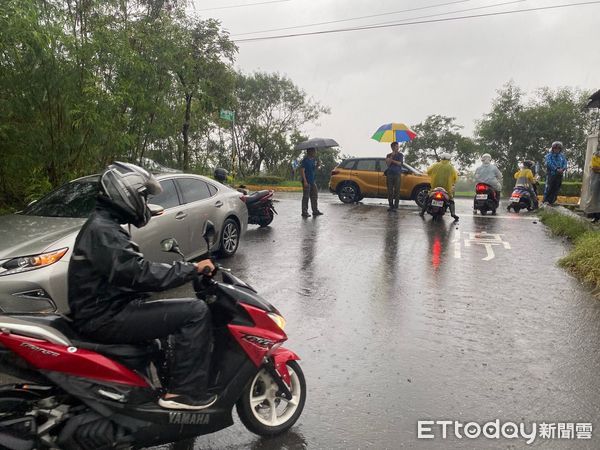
205, 267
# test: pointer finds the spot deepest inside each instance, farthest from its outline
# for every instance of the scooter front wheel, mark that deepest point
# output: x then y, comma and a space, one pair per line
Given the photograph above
264, 412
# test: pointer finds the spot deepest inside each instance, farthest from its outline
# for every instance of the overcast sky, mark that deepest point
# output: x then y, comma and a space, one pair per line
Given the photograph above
405, 73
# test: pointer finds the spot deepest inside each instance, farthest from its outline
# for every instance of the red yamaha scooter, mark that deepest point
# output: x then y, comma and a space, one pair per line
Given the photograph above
84, 395
260, 207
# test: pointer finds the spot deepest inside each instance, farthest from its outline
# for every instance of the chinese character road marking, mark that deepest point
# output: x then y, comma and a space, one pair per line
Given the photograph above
487, 240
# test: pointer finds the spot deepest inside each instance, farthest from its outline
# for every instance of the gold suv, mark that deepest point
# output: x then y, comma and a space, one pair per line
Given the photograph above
356, 178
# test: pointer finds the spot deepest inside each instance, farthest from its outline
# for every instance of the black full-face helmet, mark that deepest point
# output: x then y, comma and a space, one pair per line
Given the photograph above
221, 174
127, 187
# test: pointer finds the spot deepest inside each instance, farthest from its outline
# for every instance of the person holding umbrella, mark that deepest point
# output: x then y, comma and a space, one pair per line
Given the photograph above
394, 133
394, 161
308, 169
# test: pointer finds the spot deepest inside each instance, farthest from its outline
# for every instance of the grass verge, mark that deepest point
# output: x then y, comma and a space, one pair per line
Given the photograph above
583, 260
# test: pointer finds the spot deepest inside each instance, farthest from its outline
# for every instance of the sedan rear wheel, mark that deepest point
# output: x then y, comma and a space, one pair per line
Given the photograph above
230, 238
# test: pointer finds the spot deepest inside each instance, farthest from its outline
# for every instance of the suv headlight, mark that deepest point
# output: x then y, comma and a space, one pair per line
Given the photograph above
26, 263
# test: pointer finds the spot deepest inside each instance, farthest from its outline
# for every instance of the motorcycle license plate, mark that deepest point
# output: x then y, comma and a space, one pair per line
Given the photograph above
481, 197
437, 203
515, 199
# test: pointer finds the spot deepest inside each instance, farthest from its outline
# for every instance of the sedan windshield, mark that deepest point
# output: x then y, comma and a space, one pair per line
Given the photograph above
74, 199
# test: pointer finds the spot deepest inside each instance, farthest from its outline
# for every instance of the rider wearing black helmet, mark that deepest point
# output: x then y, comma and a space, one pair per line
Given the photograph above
221, 174
109, 278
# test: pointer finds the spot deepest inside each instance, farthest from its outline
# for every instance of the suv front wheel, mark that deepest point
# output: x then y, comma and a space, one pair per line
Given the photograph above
420, 195
349, 192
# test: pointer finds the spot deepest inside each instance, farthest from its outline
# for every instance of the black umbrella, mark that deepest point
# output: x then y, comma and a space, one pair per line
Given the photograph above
316, 143
594, 100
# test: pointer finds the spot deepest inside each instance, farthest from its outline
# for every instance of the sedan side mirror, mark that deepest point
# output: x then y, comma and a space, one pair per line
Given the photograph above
171, 245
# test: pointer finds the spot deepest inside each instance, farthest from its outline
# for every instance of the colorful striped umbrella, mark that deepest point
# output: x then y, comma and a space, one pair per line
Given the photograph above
391, 132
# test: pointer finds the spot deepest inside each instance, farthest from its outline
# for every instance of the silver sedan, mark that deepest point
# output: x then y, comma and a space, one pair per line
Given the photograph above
37, 243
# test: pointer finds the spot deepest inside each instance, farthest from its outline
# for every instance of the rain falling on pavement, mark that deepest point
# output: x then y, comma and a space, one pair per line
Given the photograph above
399, 319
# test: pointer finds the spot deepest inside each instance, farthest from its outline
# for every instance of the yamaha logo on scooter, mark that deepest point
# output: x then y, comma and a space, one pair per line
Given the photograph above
189, 418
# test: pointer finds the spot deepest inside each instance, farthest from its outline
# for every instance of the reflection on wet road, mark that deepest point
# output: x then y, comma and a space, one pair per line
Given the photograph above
399, 319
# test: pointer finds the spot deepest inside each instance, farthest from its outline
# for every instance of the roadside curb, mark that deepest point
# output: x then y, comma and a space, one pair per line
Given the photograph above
560, 209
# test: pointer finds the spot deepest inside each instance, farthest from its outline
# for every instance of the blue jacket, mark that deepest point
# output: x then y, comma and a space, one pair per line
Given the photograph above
555, 161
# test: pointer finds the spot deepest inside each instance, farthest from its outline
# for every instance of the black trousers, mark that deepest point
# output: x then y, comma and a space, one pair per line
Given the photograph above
393, 189
310, 192
553, 183
187, 320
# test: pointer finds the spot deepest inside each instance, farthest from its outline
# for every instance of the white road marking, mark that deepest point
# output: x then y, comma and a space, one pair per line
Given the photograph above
511, 217
488, 240
490, 252
457, 246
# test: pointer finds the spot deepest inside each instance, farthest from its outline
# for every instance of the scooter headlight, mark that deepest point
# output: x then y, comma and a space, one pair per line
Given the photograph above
280, 321
26, 263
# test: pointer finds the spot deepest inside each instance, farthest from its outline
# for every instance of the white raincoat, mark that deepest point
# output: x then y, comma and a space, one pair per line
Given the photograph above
488, 173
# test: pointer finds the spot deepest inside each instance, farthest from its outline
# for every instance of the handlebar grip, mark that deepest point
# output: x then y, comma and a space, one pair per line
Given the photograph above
197, 283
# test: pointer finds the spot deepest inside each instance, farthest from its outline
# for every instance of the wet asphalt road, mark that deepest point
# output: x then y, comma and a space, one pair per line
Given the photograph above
398, 319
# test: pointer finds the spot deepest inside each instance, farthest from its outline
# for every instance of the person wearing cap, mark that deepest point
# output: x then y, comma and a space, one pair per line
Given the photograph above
556, 164
444, 175
109, 280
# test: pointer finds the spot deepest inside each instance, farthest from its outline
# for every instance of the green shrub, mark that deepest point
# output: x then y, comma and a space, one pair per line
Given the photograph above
568, 188
584, 259
563, 225
264, 179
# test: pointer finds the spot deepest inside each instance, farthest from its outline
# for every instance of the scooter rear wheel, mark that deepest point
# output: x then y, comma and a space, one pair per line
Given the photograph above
265, 413
267, 219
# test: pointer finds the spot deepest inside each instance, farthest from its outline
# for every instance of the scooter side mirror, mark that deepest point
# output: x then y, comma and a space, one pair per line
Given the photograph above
209, 234
155, 210
170, 245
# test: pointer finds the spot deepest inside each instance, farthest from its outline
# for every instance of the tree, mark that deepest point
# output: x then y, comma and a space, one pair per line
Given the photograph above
436, 135
501, 133
514, 130
203, 74
270, 110
85, 82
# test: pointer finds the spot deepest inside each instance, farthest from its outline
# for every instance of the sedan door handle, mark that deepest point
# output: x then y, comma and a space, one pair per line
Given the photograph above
219, 204
180, 215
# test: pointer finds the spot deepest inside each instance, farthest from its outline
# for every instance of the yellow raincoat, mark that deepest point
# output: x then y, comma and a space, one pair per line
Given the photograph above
443, 175
524, 177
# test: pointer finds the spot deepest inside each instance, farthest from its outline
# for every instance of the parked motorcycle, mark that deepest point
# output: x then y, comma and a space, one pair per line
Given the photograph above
486, 199
521, 199
437, 202
260, 207
84, 395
